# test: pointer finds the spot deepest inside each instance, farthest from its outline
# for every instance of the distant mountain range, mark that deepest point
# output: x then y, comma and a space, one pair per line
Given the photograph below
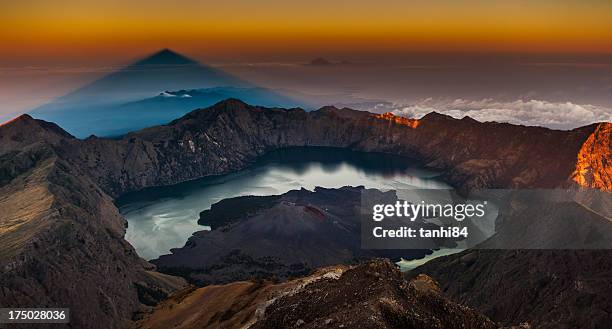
122, 101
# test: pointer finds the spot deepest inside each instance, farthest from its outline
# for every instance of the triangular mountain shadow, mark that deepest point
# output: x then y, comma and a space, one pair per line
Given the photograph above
163, 70
165, 57
99, 107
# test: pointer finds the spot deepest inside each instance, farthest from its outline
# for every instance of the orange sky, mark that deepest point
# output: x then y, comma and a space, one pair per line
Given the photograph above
35, 31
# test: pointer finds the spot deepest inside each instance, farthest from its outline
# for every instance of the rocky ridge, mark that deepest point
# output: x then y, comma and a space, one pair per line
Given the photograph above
370, 295
62, 237
540, 288
230, 135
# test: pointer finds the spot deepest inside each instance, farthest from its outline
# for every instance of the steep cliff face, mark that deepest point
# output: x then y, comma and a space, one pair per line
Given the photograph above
412, 123
62, 237
544, 288
549, 263
594, 165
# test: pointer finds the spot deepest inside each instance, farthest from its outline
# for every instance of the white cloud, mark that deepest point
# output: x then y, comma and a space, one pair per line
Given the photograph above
166, 94
527, 112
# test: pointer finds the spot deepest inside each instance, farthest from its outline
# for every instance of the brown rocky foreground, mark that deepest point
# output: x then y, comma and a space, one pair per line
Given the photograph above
371, 295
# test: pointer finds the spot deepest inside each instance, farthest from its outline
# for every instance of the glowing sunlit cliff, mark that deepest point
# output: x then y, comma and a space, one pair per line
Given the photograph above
594, 164
412, 123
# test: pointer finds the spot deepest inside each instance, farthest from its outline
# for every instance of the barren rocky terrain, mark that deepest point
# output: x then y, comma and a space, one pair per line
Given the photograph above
370, 295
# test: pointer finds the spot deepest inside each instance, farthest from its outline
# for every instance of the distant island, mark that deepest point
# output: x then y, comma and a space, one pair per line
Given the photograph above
320, 61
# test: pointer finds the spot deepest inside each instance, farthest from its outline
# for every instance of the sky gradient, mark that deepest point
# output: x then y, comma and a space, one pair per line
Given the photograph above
475, 52
47, 31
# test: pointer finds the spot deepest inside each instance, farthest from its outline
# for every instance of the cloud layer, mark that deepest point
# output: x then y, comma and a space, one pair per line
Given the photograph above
527, 112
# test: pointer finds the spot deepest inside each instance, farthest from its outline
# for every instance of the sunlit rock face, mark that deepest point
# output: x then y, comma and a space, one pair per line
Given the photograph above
594, 164
412, 123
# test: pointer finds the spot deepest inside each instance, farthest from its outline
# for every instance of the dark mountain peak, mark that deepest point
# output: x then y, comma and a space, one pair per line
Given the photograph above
166, 57
229, 107
25, 117
25, 130
18, 120
329, 108
231, 103
436, 116
27, 124
468, 118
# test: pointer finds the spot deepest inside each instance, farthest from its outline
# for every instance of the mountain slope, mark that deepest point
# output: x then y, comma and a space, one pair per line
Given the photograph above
545, 288
521, 274
60, 233
371, 295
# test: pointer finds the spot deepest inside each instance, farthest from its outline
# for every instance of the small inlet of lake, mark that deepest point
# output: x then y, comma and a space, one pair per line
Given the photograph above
162, 218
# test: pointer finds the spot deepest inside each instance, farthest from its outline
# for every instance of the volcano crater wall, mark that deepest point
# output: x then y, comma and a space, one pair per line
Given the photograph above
231, 135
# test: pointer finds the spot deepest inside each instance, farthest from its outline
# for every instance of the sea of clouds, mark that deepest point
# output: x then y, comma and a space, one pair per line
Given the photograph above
556, 115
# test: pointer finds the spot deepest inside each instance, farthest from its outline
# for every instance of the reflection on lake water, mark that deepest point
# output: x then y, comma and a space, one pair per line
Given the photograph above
162, 218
